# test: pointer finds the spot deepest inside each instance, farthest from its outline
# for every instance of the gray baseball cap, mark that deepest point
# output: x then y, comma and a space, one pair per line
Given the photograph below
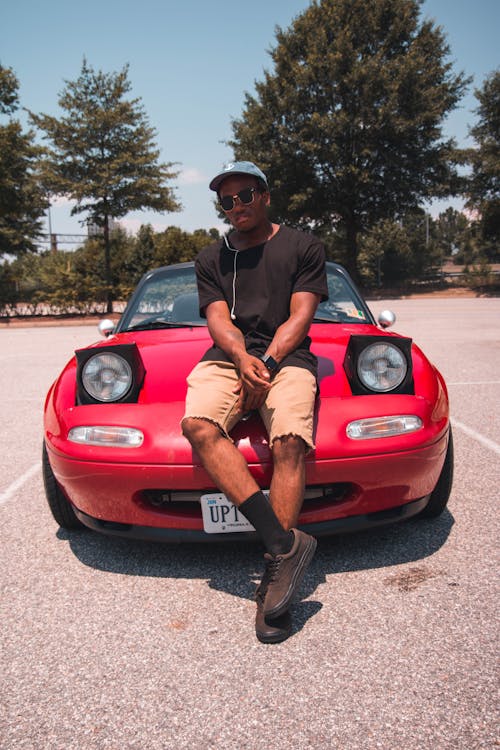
238, 167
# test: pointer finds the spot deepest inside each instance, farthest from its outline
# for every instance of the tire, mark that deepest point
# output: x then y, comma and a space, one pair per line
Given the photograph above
61, 509
439, 497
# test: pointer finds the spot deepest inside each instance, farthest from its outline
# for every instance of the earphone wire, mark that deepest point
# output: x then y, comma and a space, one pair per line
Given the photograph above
235, 251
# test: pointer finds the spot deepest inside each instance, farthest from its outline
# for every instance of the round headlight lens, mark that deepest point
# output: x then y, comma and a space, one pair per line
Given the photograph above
382, 367
107, 377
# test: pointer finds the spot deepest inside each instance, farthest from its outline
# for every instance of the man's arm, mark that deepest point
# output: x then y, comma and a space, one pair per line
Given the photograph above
255, 377
293, 331
230, 339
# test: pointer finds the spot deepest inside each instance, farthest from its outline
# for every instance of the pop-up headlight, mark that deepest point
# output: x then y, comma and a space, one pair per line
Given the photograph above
376, 364
109, 374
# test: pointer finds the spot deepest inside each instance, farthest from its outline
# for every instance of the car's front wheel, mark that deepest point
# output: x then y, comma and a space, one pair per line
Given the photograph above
439, 497
61, 509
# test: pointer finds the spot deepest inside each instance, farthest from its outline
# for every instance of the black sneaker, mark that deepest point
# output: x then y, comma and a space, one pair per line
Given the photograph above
270, 630
284, 574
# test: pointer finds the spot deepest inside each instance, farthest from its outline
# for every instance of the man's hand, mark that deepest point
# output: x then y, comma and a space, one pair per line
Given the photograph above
249, 400
254, 383
255, 379
253, 373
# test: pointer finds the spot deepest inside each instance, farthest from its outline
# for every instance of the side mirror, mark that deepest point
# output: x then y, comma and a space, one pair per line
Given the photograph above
386, 319
106, 327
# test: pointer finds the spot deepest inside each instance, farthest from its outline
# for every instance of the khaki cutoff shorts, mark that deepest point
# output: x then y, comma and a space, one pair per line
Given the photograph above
287, 410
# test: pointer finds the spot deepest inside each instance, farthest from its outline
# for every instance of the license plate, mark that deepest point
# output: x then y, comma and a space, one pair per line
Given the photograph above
220, 516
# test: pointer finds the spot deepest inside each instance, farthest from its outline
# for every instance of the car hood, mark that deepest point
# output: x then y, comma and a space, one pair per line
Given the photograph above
168, 357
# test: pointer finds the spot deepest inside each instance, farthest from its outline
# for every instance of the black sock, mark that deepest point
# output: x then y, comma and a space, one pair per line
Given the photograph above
258, 510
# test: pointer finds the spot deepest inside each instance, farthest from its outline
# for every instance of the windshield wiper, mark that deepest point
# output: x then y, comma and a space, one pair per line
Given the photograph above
325, 319
150, 324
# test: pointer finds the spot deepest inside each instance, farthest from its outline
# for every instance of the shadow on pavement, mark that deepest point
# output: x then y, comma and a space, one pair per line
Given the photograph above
236, 568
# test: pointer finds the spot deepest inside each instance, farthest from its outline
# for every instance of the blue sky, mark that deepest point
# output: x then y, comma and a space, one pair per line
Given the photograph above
191, 62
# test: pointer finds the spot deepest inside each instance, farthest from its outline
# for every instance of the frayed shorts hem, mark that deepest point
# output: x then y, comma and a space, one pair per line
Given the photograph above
287, 411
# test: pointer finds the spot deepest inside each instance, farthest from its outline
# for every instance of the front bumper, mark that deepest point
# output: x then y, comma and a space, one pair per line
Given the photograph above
115, 495
347, 525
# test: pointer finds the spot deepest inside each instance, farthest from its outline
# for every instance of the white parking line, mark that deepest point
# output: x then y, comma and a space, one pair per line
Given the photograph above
15, 486
476, 382
476, 436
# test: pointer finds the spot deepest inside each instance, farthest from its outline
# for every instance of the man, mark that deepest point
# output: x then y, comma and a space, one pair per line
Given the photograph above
259, 289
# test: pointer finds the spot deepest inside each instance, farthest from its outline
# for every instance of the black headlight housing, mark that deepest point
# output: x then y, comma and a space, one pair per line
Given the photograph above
109, 374
390, 360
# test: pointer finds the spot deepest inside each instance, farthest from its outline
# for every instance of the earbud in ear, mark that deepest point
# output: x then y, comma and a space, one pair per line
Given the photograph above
233, 316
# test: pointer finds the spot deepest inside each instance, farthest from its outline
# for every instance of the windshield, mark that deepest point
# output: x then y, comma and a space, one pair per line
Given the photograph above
343, 305
168, 297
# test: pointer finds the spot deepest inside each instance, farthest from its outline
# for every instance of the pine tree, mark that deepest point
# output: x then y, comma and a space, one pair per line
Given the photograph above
22, 203
348, 124
483, 189
103, 155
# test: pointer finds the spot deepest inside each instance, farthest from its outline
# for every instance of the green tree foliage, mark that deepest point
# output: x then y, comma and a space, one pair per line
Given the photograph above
50, 283
385, 254
22, 203
141, 254
9, 86
395, 253
176, 246
451, 231
8, 288
483, 188
67, 282
149, 249
103, 155
88, 267
348, 124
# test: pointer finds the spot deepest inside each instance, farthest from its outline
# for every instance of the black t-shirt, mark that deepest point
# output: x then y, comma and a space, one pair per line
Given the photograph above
257, 284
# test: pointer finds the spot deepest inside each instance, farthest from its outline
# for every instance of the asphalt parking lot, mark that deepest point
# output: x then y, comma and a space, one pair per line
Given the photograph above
112, 644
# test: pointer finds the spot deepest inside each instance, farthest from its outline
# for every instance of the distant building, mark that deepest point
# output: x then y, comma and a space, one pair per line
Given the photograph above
93, 230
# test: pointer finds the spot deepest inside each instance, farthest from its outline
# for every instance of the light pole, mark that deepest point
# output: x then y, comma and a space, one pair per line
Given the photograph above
52, 237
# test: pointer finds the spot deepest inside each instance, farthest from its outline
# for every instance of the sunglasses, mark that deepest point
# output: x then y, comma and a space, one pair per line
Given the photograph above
244, 196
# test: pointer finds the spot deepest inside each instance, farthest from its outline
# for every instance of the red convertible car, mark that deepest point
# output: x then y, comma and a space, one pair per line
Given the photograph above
115, 460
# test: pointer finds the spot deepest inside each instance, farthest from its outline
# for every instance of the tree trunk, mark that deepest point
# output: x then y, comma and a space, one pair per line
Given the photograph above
352, 248
107, 266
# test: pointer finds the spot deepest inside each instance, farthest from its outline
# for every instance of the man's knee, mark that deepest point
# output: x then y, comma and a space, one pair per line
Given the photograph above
288, 448
197, 430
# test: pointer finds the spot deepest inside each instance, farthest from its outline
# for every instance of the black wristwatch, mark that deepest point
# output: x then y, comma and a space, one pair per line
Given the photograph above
270, 363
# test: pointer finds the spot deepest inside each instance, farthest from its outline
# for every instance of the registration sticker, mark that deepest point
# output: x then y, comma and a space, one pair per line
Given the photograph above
220, 516
352, 312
